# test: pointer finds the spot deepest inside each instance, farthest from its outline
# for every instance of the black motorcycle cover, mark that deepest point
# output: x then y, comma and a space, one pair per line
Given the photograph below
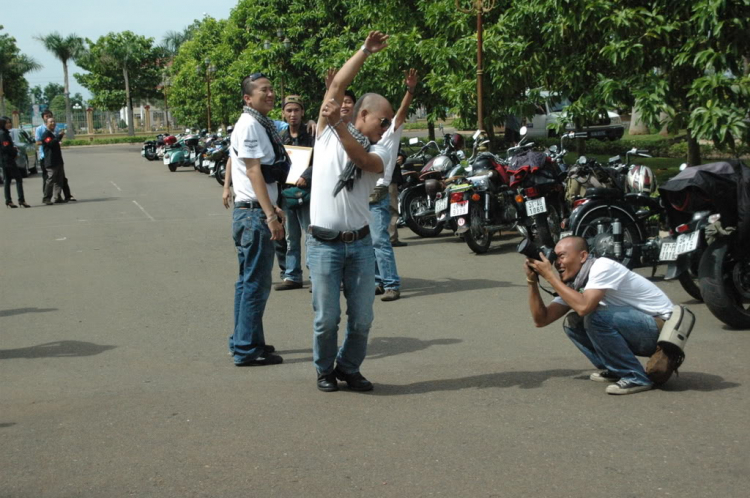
722, 186
532, 168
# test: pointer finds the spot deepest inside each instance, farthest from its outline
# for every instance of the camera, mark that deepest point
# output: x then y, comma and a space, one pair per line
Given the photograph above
531, 250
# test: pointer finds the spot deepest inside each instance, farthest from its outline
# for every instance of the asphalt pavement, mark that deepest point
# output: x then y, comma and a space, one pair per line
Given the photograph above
115, 378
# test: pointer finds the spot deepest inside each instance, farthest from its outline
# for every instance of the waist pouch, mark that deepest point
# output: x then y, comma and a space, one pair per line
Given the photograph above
276, 172
295, 197
328, 235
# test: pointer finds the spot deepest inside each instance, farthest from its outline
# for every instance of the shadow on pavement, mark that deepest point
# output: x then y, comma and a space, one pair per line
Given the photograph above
7, 424
57, 349
96, 199
380, 347
522, 380
697, 381
418, 287
21, 311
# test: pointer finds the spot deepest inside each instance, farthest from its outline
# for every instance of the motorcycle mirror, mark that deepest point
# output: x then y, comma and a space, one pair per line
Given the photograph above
683, 166
523, 131
476, 134
413, 141
582, 160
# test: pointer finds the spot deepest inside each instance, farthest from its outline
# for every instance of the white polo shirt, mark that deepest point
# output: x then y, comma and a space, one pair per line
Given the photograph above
625, 288
391, 141
250, 141
349, 210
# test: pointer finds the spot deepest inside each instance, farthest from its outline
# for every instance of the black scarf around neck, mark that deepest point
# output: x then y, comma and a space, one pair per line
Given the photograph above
351, 171
267, 124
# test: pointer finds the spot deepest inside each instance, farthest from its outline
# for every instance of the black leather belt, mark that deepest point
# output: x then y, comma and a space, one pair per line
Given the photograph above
328, 235
247, 205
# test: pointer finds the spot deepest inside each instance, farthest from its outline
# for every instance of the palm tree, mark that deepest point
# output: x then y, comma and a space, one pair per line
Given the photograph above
65, 49
15, 65
174, 39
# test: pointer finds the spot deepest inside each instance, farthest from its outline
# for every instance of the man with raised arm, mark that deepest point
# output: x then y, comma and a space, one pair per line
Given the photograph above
346, 167
387, 281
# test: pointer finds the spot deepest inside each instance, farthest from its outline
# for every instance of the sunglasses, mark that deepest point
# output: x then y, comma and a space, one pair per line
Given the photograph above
385, 123
257, 76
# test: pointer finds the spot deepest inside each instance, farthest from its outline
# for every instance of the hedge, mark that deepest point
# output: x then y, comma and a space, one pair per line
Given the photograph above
104, 141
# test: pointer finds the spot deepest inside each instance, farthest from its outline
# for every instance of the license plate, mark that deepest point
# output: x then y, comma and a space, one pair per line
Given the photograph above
143, 153
668, 251
536, 206
441, 205
687, 242
192, 156
166, 160
598, 133
459, 208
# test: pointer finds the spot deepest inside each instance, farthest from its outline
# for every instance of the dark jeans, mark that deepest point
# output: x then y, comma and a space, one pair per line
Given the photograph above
12, 173
56, 184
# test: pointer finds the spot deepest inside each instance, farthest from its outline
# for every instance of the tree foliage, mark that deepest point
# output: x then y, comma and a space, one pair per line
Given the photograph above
13, 66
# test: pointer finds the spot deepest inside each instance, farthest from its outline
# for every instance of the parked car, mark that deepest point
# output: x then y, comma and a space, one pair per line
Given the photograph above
553, 106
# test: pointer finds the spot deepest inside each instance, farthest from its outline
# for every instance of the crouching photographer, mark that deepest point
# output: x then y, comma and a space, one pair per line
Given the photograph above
617, 314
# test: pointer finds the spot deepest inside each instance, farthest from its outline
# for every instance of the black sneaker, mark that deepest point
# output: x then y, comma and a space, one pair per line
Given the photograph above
267, 348
379, 290
266, 359
327, 383
627, 387
288, 285
356, 381
604, 376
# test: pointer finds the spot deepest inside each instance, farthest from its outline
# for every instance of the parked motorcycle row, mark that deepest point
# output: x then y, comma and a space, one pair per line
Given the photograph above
207, 153
696, 223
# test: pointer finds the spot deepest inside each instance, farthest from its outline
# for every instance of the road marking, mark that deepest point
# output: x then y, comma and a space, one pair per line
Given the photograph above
64, 238
118, 188
144, 211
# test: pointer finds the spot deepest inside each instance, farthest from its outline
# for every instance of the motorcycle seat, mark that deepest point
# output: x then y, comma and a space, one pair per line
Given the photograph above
610, 193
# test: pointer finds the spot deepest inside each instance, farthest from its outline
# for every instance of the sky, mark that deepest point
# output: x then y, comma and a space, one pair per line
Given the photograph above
92, 19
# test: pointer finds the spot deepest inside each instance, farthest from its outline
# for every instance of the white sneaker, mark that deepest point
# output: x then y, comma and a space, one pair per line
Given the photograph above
604, 376
627, 387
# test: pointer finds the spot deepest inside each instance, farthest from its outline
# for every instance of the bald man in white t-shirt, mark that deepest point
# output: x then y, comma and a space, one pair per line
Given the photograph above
346, 167
617, 314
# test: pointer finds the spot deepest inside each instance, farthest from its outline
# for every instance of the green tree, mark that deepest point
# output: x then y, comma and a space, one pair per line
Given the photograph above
64, 48
51, 91
13, 66
123, 68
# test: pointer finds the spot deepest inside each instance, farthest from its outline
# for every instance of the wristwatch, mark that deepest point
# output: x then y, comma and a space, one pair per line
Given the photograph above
365, 50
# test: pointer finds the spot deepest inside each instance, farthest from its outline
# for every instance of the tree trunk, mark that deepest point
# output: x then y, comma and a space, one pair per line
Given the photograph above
70, 132
431, 129
664, 120
2, 96
637, 127
131, 125
694, 150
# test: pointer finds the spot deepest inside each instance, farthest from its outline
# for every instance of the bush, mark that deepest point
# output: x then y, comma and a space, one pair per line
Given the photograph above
104, 141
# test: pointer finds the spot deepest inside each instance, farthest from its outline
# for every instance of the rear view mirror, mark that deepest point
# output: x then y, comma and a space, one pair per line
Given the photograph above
523, 131
477, 134
683, 166
413, 141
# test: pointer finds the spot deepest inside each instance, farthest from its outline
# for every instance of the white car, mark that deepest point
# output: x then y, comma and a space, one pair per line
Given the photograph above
553, 106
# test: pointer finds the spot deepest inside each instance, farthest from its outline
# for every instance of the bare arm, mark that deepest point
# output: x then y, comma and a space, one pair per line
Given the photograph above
403, 111
375, 42
364, 160
542, 314
227, 194
254, 174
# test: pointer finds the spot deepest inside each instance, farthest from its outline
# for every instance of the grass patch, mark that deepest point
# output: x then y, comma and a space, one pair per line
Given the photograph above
106, 141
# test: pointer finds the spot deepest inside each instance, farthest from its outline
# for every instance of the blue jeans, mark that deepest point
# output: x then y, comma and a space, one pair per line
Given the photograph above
330, 263
297, 221
386, 273
255, 255
612, 336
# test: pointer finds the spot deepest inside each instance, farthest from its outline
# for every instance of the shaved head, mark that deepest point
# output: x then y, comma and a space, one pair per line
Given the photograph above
571, 253
574, 243
372, 116
370, 102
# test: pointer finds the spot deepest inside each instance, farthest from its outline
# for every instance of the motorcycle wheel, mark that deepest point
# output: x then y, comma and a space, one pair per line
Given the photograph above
220, 172
689, 279
172, 167
477, 237
425, 226
630, 237
150, 154
725, 284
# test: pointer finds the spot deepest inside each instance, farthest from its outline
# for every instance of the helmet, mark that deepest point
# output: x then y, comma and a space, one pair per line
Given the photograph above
457, 141
641, 180
171, 139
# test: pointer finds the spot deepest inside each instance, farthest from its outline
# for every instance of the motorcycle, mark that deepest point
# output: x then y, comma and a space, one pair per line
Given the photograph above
479, 200
150, 148
181, 151
712, 242
416, 203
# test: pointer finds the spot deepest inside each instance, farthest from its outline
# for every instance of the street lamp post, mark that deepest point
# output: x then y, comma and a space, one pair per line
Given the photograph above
480, 7
165, 84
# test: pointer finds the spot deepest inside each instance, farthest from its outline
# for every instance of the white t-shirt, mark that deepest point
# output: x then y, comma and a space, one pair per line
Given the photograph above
625, 288
250, 141
390, 140
349, 210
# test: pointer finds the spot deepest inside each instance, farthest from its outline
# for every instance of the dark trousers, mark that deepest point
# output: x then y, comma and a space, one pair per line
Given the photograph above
55, 182
11, 173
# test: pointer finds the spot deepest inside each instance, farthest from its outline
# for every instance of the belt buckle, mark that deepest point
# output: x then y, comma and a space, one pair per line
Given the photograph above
348, 237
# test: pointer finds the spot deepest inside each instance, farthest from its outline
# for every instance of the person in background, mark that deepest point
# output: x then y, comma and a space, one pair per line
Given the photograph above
10, 170
53, 163
387, 281
67, 196
296, 198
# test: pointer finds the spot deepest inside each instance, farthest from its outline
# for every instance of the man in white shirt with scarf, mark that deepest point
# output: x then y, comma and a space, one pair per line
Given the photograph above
617, 314
346, 167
